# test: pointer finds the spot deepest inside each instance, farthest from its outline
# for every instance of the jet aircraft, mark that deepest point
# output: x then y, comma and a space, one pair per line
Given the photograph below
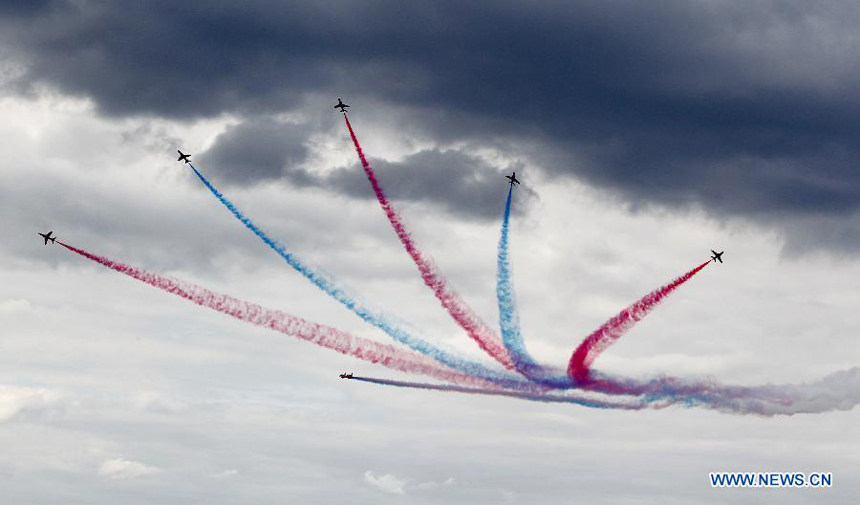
340, 105
183, 157
346, 376
718, 256
47, 237
512, 178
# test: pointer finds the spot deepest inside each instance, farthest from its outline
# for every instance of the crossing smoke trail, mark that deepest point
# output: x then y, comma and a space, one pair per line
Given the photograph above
377, 319
577, 400
486, 338
613, 329
324, 336
837, 391
512, 339
351, 301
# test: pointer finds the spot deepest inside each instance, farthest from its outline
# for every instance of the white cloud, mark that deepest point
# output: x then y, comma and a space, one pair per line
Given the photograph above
15, 305
14, 400
155, 401
426, 486
226, 474
386, 483
120, 468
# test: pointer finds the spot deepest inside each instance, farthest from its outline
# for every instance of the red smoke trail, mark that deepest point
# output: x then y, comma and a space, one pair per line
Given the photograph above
612, 330
324, 336
486, 338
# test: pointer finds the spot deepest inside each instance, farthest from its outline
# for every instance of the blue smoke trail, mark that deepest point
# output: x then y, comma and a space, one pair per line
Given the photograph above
349, 300
509, 319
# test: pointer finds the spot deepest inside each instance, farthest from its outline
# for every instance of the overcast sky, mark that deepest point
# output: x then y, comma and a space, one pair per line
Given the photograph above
644, 134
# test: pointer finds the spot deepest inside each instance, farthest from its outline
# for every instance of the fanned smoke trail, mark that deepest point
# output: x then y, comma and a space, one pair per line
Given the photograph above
324, 336
351, 301
838, 391
486, 338
613, 329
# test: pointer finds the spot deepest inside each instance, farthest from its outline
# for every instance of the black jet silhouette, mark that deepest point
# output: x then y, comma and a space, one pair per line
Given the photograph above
183, 157
718, 256
512, 178
340, 105
346, 376
47, 237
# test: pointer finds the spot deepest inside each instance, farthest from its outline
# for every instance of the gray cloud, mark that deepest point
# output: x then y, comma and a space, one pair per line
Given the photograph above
455, 180
257, 150
458, 182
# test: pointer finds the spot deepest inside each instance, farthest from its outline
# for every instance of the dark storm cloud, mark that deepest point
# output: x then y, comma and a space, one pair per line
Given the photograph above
744, 108
14, 8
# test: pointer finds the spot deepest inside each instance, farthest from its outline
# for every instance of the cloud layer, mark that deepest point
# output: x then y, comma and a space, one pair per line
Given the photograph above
744, 110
